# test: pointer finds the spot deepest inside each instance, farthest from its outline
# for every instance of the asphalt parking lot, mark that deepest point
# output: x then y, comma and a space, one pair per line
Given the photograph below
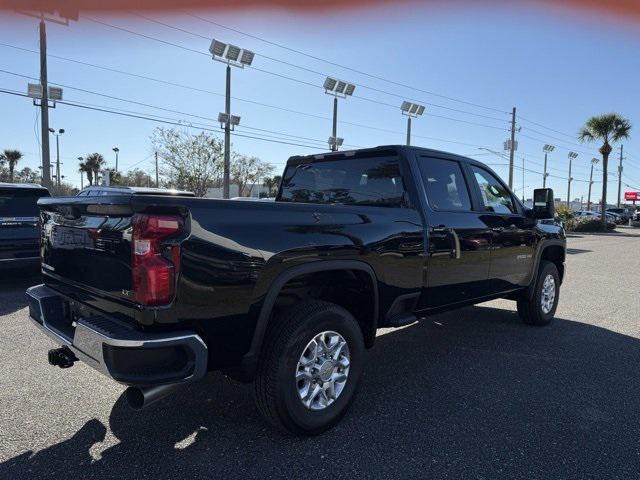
468, 394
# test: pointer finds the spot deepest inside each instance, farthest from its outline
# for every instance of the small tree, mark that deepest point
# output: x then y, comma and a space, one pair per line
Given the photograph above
189, 162
608, 128
135, 178
11, 157
247, 171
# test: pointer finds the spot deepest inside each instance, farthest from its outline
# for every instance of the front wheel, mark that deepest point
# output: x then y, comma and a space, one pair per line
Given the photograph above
541, 308
310, 367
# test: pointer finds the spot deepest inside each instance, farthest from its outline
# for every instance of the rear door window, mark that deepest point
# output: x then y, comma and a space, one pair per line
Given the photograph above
359, 181
445, 185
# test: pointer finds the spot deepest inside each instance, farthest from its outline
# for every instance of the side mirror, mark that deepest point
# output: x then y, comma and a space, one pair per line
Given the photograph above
543, 205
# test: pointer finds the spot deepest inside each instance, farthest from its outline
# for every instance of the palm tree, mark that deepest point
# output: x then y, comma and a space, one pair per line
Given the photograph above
11, 157
272, 184
607, 128
84, 168
94, 162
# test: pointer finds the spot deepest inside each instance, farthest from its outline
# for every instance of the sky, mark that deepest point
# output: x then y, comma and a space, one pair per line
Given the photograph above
468, 65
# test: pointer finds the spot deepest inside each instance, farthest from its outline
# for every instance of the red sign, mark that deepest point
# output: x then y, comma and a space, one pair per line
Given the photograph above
633, 196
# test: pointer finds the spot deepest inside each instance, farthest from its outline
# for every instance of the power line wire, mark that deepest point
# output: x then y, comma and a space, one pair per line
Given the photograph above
268, 72
335, 64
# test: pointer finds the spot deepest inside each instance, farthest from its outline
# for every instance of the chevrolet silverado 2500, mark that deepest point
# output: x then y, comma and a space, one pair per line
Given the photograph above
155, 291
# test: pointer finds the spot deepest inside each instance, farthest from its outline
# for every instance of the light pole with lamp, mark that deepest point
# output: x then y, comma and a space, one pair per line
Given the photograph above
339, 89
236, 57
57, 135
594, 162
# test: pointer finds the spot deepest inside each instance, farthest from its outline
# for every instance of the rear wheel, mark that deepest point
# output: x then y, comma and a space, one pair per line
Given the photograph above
541, 308
310, 367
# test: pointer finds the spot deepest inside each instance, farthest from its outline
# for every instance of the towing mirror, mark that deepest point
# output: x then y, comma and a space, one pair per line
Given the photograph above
543, 205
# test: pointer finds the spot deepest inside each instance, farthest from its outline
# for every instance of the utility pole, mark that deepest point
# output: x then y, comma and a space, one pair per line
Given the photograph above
157, 182
512, 146
620, 175
593, 163
44, 106
523, 179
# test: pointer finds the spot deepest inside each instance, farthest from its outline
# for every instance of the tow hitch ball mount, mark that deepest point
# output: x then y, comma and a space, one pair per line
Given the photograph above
62, 357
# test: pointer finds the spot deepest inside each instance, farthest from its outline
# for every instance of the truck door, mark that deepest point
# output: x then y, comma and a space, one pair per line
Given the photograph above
513, 238
458, 249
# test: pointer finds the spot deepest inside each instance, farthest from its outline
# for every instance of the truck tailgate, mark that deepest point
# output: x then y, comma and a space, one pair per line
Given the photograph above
86, 242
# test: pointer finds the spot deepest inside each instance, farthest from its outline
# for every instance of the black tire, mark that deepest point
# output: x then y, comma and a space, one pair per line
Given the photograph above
275, 388
530, 309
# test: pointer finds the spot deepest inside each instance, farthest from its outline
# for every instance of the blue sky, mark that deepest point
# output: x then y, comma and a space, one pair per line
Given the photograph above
557, 69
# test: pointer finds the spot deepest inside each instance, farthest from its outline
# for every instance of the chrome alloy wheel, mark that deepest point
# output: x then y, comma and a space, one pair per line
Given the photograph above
548, 296
323, 370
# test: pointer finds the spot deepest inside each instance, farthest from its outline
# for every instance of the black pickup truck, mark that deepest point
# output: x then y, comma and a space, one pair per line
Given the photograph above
155, 291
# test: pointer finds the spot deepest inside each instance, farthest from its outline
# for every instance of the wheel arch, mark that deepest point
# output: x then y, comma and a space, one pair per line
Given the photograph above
250, 359
553, 250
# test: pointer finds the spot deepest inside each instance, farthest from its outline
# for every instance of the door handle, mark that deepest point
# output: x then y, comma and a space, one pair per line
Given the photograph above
455, 240
497, 229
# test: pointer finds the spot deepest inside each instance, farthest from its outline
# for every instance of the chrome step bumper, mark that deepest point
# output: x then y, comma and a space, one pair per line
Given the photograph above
128, 356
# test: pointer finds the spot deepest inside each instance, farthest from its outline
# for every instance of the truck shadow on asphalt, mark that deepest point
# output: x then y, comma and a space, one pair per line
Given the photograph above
468, 394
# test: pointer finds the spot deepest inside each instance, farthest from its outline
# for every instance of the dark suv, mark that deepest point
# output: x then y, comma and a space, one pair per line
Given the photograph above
19, 235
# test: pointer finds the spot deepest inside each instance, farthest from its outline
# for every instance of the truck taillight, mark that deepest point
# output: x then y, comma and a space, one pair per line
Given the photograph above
153, 270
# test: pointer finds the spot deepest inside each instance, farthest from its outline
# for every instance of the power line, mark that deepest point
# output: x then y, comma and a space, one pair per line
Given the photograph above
268, 72
160, 120
322, 74
335, 64
206, 118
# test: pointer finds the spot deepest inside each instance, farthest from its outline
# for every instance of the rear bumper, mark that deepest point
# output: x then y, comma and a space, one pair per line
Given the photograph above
128, 356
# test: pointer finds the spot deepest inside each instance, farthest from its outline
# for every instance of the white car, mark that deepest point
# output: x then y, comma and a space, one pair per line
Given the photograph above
612, 217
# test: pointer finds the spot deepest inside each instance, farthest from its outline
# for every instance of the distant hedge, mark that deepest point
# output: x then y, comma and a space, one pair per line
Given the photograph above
587, 225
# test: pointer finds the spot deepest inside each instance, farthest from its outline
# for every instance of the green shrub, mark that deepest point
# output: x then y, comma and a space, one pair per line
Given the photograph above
589, 225
564, 213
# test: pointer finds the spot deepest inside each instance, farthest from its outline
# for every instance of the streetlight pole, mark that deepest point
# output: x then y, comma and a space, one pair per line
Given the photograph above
341, 89
57, 135
572, 155
334, 129
227, 137
411, 110
546, 149
234, 56
620, 175
594, 161
116, 150
80, 159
